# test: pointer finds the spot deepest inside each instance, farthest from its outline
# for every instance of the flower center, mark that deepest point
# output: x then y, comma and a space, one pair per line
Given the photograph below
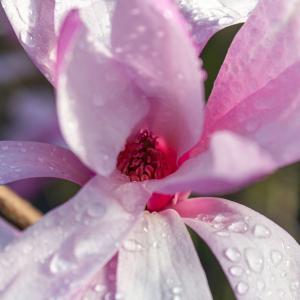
146, 157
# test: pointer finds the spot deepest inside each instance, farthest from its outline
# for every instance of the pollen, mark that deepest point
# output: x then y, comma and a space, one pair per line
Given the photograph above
146, 157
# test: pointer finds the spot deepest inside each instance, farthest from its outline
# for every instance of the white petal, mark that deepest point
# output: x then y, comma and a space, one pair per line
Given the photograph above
158, 261
260, 259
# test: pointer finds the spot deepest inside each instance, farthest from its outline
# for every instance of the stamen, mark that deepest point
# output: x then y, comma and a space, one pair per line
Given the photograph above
146, 158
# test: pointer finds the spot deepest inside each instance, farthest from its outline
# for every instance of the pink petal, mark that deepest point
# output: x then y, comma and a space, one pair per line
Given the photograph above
98, 104
257, 95
37, 23
158, 261
208, 17
33, 22
145, 38
230, 162
7, 233
103, 285
58, 256
21, 160
260, 259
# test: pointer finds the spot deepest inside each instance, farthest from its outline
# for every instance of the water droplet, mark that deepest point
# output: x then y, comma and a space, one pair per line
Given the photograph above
232, 254
238, 227
261, 231
236, 271
176, 290
59, 264
254, 259
225, 20
27, 39
242, 288
132, 245
223, 233
219, 218
95, 210
294, 285
276, 257
118, 296
154, 244
99, 288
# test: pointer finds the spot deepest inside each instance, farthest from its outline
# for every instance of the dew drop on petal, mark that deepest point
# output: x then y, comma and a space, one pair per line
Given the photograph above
261, 231
176, 290
232, 254
99, 288
132, 245
95, 210
276, 257
242, 288
254, 260
223, 233
59, 265
238, 227
236, 271
27, 39
119, 296
295, 285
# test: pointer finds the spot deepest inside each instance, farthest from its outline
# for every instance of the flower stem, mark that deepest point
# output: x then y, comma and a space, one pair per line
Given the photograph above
17, 210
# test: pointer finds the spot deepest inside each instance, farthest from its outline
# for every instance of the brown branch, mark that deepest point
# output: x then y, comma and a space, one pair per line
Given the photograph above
16, 210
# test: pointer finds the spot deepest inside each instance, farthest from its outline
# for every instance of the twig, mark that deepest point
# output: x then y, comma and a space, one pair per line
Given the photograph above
16, 210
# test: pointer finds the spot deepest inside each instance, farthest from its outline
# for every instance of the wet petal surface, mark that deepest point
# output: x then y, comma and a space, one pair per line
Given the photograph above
260, 259
158, 261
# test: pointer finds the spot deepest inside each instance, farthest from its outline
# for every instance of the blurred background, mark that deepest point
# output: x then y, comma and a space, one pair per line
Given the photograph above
27, 112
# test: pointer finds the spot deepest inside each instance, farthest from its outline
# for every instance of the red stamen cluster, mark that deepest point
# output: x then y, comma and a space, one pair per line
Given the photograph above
144, 158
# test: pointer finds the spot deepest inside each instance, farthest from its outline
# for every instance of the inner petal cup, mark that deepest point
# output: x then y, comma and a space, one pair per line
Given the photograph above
146, 157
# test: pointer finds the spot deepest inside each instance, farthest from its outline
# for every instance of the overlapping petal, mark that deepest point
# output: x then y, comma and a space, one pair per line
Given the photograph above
145, 37
158, 261
21, 160
260, 259
33, 22
7, 233
98, 105
59, 255
257, 92
37, 23
207, 17
231, 161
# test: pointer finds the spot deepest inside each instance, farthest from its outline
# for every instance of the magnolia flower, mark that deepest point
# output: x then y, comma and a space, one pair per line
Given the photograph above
37, 22
134, 114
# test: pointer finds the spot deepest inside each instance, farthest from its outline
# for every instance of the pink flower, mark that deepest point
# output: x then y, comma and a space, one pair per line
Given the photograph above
137, 113
37, 22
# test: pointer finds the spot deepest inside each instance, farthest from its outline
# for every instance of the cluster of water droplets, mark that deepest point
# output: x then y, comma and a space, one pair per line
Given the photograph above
147, 242
254, 267
207, 17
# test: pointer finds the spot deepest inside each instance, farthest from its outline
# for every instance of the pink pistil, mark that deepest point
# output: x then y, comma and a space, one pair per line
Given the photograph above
148, 157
